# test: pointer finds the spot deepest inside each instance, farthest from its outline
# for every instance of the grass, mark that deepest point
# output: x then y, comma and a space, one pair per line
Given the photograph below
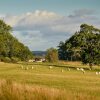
49, 84
12, 91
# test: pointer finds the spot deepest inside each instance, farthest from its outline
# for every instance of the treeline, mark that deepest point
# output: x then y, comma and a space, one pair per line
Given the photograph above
10, 48
82, 46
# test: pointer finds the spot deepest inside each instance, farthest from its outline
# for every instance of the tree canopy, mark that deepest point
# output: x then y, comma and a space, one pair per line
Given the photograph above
9, 46
83, 45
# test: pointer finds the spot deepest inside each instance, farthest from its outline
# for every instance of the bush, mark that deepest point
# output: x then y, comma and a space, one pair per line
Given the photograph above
5, 59
15, 59
52, 55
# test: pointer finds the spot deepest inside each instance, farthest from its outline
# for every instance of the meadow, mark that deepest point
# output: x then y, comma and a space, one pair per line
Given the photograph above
37, 81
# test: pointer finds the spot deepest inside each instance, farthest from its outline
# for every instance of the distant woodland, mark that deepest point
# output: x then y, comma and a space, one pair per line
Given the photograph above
10, 48
82, 46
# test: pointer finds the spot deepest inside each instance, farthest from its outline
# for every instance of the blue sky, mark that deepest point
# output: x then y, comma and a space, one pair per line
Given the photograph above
41, 24
60, 6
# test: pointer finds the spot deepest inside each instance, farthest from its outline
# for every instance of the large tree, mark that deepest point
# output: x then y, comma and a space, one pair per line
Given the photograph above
91, 47
83, 45
10, 46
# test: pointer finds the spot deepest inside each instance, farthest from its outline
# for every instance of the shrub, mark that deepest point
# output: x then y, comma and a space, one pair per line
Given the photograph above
52, 55
5, 59
15, 59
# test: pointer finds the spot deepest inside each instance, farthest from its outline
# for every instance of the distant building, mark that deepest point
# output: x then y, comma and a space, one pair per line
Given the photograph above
31, 60
37, 60
40, 60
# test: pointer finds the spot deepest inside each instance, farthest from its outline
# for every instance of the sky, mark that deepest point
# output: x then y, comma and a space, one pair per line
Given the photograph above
41, 24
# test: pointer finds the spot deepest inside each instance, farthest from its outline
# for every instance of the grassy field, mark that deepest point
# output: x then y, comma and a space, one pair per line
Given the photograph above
43, 83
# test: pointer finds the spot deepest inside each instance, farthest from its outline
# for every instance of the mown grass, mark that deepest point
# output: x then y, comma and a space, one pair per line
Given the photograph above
66, 85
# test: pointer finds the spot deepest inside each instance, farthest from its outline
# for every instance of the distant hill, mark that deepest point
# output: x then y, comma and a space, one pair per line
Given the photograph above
39, 53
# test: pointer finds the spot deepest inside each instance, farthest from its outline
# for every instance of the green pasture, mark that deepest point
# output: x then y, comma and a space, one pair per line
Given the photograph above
59, 76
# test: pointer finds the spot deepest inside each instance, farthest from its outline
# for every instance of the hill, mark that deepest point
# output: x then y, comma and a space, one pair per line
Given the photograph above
39, 53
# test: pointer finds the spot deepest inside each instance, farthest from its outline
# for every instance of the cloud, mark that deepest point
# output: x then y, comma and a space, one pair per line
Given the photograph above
33, 39
39, 18
82, 13
40, 30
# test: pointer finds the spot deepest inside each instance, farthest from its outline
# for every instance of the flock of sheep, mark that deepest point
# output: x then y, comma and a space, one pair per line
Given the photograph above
26, 68
50, 67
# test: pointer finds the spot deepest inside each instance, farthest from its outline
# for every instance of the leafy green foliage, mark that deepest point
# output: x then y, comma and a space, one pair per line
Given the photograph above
10, 46
52, 55
91, 49
83, 45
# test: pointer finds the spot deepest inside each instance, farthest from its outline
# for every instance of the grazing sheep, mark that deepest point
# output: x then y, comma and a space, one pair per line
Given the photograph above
50, 67
78, 68
82, 70
62, 70
32, 67
97, 73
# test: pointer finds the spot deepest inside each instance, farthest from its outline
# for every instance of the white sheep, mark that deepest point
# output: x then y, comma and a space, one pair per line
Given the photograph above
97, 73
32, 67
50, 67
62, 70
78, 68
82, 70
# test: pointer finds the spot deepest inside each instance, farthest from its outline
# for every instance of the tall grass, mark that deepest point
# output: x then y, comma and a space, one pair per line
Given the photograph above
13, 91
43, 83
